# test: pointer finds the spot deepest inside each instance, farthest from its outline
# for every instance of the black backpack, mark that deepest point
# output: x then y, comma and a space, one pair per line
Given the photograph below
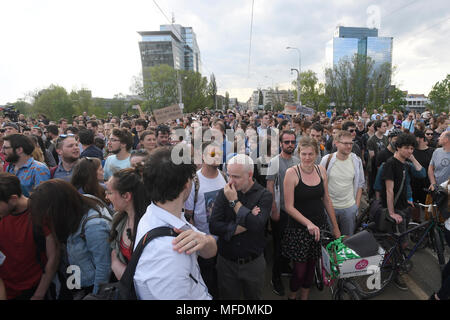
124, 289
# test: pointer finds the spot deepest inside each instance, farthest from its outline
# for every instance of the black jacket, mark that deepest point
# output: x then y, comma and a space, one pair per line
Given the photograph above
224, 221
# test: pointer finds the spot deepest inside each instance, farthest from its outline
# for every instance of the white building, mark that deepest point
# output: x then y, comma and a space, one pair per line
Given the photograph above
416, 102
270, 97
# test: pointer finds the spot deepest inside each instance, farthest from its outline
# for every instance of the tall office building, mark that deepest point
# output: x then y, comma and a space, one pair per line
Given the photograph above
173, 45
349, 40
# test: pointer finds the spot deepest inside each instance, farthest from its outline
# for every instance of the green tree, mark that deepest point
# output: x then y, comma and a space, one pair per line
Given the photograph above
23, 107
260, 98
195, 91
440, 95
396, 100
212, 89
82, 101
227, 100
54, 102
356, 83
312, 92
158, 86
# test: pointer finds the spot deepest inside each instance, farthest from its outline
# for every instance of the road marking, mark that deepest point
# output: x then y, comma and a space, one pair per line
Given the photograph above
415, 289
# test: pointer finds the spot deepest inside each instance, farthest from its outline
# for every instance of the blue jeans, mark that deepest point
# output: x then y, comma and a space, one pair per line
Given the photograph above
346, 219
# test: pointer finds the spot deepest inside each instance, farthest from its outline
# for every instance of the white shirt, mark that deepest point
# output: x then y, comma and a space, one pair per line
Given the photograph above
207, 192
162, 273
340, 183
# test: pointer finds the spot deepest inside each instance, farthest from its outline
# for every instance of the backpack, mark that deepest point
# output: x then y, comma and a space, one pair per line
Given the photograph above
197, 187
124, 289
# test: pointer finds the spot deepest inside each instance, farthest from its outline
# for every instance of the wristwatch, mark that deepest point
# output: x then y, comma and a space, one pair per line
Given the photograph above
233, 203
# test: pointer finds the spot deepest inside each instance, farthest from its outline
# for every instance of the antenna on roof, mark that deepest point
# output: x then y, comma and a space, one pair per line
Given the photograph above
173, 18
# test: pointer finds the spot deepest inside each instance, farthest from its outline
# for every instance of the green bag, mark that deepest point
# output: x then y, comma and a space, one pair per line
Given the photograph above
339, 253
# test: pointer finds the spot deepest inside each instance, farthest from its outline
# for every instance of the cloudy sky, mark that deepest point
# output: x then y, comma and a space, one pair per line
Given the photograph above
94, 44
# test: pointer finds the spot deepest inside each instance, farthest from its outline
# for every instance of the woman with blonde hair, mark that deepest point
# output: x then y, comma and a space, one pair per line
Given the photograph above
306, 198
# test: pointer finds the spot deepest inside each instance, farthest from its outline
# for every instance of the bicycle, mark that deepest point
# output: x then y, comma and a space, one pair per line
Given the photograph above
342, 289
396, 261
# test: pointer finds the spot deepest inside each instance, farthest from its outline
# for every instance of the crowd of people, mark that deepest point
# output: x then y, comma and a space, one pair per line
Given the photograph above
80, 194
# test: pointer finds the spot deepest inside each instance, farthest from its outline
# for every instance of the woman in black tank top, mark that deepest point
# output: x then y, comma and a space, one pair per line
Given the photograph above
306, 198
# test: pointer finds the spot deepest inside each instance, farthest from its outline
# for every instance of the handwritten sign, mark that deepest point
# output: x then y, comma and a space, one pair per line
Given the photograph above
172, 112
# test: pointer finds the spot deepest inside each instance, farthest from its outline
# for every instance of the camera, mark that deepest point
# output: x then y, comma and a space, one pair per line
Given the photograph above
10, 112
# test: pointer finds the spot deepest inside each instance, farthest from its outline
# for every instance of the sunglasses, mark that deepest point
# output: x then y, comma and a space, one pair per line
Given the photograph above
351, 130
290, 142
428, 134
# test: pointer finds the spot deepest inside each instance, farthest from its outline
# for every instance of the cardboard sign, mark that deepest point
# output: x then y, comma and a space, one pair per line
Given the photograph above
166, 114
294, 109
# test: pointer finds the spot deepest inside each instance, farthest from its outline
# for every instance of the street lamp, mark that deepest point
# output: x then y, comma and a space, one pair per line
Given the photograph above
299, 71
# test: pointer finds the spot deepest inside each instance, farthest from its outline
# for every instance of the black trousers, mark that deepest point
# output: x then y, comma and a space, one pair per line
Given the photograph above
279, 262
209, 275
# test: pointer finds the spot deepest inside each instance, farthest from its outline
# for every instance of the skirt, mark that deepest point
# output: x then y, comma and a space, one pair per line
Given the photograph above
299, 245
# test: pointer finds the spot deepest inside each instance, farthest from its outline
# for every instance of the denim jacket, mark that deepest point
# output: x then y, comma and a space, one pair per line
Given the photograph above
92, 255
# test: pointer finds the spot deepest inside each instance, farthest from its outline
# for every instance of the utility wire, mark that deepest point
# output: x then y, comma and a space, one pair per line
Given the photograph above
250, 47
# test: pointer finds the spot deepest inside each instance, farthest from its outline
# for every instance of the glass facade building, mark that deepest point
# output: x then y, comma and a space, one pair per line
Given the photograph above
380, 50
173, 45
349, 40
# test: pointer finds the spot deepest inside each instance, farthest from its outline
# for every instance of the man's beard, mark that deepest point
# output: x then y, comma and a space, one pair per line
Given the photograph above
288, 151
70, 159
13, 158
117, 151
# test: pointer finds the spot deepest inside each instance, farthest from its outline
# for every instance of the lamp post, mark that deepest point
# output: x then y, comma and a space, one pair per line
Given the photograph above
298, 71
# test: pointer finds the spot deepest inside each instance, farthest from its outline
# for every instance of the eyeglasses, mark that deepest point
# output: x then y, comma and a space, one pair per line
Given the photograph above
290, 142
114, 140
63, 136
346, 143
351, 130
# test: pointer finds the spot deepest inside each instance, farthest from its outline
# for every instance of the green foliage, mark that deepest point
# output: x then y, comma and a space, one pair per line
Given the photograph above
82, 101
159, 87
227, 100
312, 92
54, 102
440, 95
396, 100
195, 91
355, 83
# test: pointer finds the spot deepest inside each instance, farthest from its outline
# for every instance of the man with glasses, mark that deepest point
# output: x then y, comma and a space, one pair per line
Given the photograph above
275, 178
350, 126
18, 149
119, 144
429, 137
345, 181
69, 153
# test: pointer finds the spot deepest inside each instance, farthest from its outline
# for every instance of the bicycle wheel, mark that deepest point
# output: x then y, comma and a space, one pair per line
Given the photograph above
438, 247
416, 235
345, 291
369, 286
318, 275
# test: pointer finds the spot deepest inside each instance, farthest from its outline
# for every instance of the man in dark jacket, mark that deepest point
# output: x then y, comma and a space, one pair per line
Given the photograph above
239, 216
